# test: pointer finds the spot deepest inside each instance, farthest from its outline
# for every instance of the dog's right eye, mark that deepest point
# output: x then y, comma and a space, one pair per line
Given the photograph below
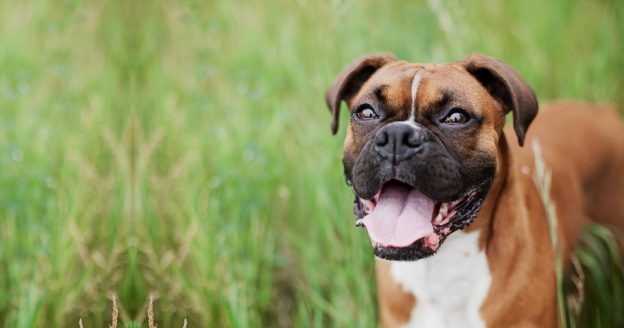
366, 114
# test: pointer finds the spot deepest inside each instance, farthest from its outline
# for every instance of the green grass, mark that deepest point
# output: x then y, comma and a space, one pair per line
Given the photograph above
602, 280
183, 148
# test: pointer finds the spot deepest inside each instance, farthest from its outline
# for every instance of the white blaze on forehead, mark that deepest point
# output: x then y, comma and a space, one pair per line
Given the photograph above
415, 85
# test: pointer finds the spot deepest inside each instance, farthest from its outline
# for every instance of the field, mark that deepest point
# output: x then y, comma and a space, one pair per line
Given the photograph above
182, 149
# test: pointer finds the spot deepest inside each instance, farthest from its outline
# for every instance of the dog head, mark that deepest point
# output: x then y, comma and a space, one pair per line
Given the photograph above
421, 146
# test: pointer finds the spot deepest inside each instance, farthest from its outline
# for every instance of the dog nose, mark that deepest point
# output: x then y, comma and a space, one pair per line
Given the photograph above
398, 141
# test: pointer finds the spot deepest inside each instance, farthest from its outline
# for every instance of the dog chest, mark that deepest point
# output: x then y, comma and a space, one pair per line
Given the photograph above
450, 286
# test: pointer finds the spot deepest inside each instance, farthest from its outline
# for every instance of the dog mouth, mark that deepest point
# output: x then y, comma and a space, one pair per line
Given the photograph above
405, 224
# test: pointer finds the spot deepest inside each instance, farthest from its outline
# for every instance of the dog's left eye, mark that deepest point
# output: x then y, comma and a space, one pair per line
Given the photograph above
456, 116
366, 114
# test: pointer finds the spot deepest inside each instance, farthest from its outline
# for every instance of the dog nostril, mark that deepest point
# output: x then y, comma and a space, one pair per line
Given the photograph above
413, 140
381, 139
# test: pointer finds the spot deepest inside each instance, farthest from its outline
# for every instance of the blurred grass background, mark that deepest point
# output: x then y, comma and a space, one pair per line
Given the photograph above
183, 148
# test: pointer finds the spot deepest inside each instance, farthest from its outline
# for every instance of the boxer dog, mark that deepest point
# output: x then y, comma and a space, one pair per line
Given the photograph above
447, 195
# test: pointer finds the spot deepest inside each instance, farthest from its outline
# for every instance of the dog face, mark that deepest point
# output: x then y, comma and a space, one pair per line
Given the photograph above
422, 143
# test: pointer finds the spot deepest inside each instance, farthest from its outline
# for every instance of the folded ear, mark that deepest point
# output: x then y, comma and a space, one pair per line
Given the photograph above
504, 84
350, 80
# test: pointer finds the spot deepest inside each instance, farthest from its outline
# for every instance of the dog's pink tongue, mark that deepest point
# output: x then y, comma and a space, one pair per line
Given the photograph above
401, 217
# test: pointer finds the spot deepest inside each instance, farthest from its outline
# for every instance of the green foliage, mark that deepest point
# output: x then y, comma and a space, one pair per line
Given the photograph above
601, 268
183, 148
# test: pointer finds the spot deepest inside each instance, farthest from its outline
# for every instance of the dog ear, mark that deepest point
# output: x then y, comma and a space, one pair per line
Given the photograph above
504, 84
350, 80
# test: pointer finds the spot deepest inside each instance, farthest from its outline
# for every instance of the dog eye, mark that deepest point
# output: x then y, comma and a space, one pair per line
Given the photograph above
456, 116
366, 114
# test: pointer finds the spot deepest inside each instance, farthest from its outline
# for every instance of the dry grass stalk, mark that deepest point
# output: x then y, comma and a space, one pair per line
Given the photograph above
150, 313
115, 314
575, 301
543, 178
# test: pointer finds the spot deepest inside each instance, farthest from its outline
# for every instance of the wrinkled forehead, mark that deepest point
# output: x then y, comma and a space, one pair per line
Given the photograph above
405, 85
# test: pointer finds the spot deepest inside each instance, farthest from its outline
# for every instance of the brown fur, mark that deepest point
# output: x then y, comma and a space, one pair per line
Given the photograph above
397, 306
583, 145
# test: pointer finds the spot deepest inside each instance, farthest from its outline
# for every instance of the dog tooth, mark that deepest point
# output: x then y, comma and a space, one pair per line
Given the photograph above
444, 208
359, 223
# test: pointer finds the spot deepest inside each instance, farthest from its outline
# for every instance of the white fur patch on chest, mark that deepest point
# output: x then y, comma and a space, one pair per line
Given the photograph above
450, 286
